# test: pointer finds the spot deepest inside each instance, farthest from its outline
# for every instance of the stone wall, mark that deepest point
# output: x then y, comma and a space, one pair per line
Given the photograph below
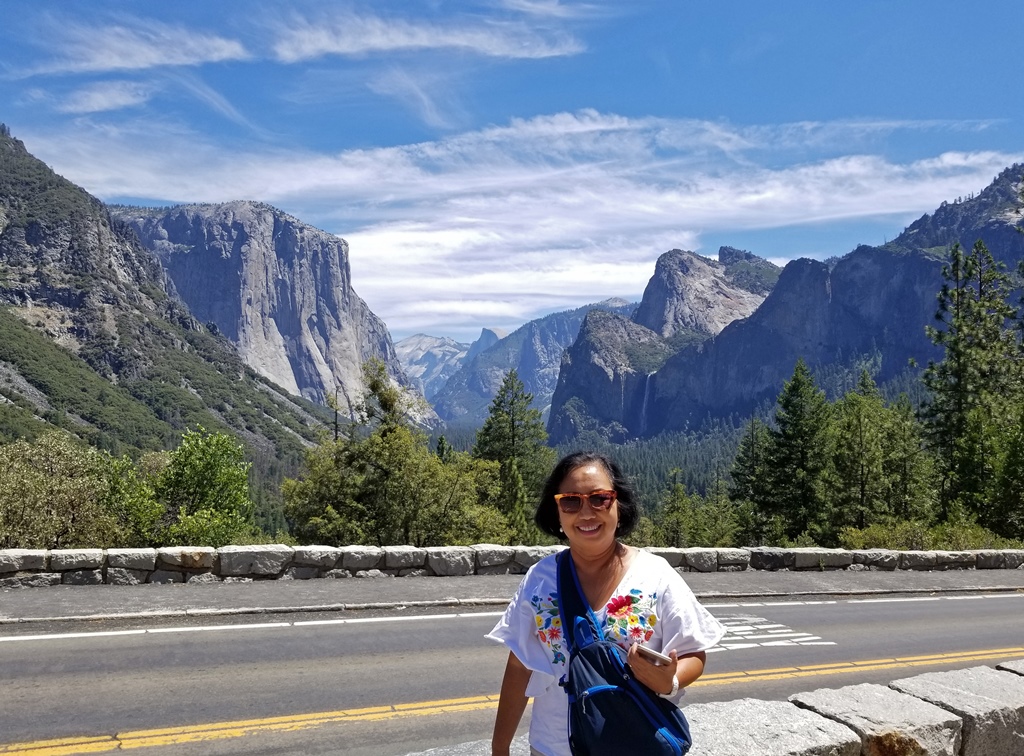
28, 568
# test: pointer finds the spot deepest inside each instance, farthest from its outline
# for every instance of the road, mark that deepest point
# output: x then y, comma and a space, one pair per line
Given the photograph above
401, 682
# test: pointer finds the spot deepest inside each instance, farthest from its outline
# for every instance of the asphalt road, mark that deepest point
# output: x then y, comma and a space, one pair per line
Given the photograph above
392, 681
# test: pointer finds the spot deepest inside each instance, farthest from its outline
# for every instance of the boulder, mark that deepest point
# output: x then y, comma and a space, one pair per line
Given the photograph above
701, 560
355, 558
674, 557
31, 580
131, 559
404, 557
877, 559
989, 559
451, 560
917, 560
371, 574
732, 560
126, 576
239, 561
955, 560
490, 555
990, 702
23, 560
76, 559
201, 578
1013, 559
821, 559
301, 573
324, 557
751, 727
527, 556
770, 558
187, 557
888, 722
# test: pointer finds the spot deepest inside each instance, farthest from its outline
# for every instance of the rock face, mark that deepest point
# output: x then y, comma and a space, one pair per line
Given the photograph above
534, 351
279, 289
872, 306
429, 361
689, 293
607, 379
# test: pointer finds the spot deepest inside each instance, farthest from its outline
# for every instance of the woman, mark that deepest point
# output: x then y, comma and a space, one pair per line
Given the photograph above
636, 596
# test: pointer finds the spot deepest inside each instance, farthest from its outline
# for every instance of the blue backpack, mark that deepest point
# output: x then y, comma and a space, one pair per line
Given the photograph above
610, 712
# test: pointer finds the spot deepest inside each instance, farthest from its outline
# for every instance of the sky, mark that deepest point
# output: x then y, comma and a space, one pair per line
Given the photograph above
491, 162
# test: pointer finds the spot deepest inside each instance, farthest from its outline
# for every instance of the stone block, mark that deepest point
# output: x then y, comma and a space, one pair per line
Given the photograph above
131, 559
23, 560
955, 560
201, 578
337, 574
674, 557
749, 727
989, 559
990, 702
701, 560
240, 561
489, 554
31, 580
733, 560
186, 557
1017, 666
82, 577
821, 559
355, 558
451, 560
888, 722
527, 556
878, 559
324, 557
76, 559
770, 558
301, 573
917, 560
126, 576
1013, 559
166, 576
371, 574
404, 557
508, 568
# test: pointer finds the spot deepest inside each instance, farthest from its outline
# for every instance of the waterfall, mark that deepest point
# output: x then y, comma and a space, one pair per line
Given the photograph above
643, 407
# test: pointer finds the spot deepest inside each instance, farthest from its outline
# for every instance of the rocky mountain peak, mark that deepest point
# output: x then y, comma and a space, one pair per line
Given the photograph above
691, 294
429, 361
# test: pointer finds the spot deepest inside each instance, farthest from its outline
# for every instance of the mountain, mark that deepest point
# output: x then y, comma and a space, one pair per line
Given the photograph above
93, 339
606, 378
868, 308
429, 361
534, 350
278, 289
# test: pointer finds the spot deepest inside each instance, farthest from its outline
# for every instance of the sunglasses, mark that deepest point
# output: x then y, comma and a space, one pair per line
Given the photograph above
571, 503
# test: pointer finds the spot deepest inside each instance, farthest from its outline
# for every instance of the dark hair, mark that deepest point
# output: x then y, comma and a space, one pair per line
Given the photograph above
547, 510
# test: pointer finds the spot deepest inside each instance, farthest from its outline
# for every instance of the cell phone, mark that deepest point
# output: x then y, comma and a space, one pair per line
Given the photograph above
654, 656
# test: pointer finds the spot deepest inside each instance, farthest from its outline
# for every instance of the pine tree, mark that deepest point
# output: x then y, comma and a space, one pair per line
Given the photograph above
908, 468
800, 454
514, 432
975, 383
751, 482
857, 485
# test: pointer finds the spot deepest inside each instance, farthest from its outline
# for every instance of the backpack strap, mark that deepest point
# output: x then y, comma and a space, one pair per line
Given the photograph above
579, 624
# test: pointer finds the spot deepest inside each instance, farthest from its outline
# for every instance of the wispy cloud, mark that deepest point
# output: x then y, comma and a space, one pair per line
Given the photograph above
107, 95
552, 8
361, 35
422, 93
133, 46
497, 225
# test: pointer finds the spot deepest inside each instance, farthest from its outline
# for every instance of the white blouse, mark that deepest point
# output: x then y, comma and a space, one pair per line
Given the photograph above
652, 605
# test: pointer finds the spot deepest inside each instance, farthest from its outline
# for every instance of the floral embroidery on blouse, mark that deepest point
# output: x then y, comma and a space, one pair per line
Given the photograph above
549, 626
631, 618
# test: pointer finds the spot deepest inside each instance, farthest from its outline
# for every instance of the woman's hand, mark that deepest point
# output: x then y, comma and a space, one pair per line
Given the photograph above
653, 674
657, 677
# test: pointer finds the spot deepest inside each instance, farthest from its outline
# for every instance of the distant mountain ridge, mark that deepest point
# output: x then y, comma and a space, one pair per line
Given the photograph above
874, 301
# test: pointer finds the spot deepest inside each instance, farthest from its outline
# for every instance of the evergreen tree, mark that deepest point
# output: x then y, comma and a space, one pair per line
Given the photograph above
514, 433
976, 382
751, 482
857, 483
800, 455
907, 467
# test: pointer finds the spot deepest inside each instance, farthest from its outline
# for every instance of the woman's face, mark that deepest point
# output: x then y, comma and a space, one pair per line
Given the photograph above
590, 529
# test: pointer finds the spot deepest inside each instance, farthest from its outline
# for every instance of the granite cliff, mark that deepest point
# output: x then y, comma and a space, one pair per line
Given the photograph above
278, 289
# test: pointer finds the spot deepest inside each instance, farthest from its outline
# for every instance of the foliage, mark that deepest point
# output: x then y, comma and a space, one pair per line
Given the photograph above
205, 491
915, 535
380, 483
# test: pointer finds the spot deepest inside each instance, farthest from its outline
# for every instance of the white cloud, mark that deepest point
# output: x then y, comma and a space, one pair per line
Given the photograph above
507, 222
107, 95
134, 46
356, 36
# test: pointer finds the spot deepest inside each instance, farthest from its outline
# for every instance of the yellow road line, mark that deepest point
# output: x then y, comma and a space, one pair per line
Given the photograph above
167, 736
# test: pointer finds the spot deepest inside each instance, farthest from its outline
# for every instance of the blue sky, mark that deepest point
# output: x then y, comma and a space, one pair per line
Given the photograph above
492, 161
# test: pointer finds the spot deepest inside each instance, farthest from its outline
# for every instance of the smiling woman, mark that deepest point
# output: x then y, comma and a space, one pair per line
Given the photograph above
634, 599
